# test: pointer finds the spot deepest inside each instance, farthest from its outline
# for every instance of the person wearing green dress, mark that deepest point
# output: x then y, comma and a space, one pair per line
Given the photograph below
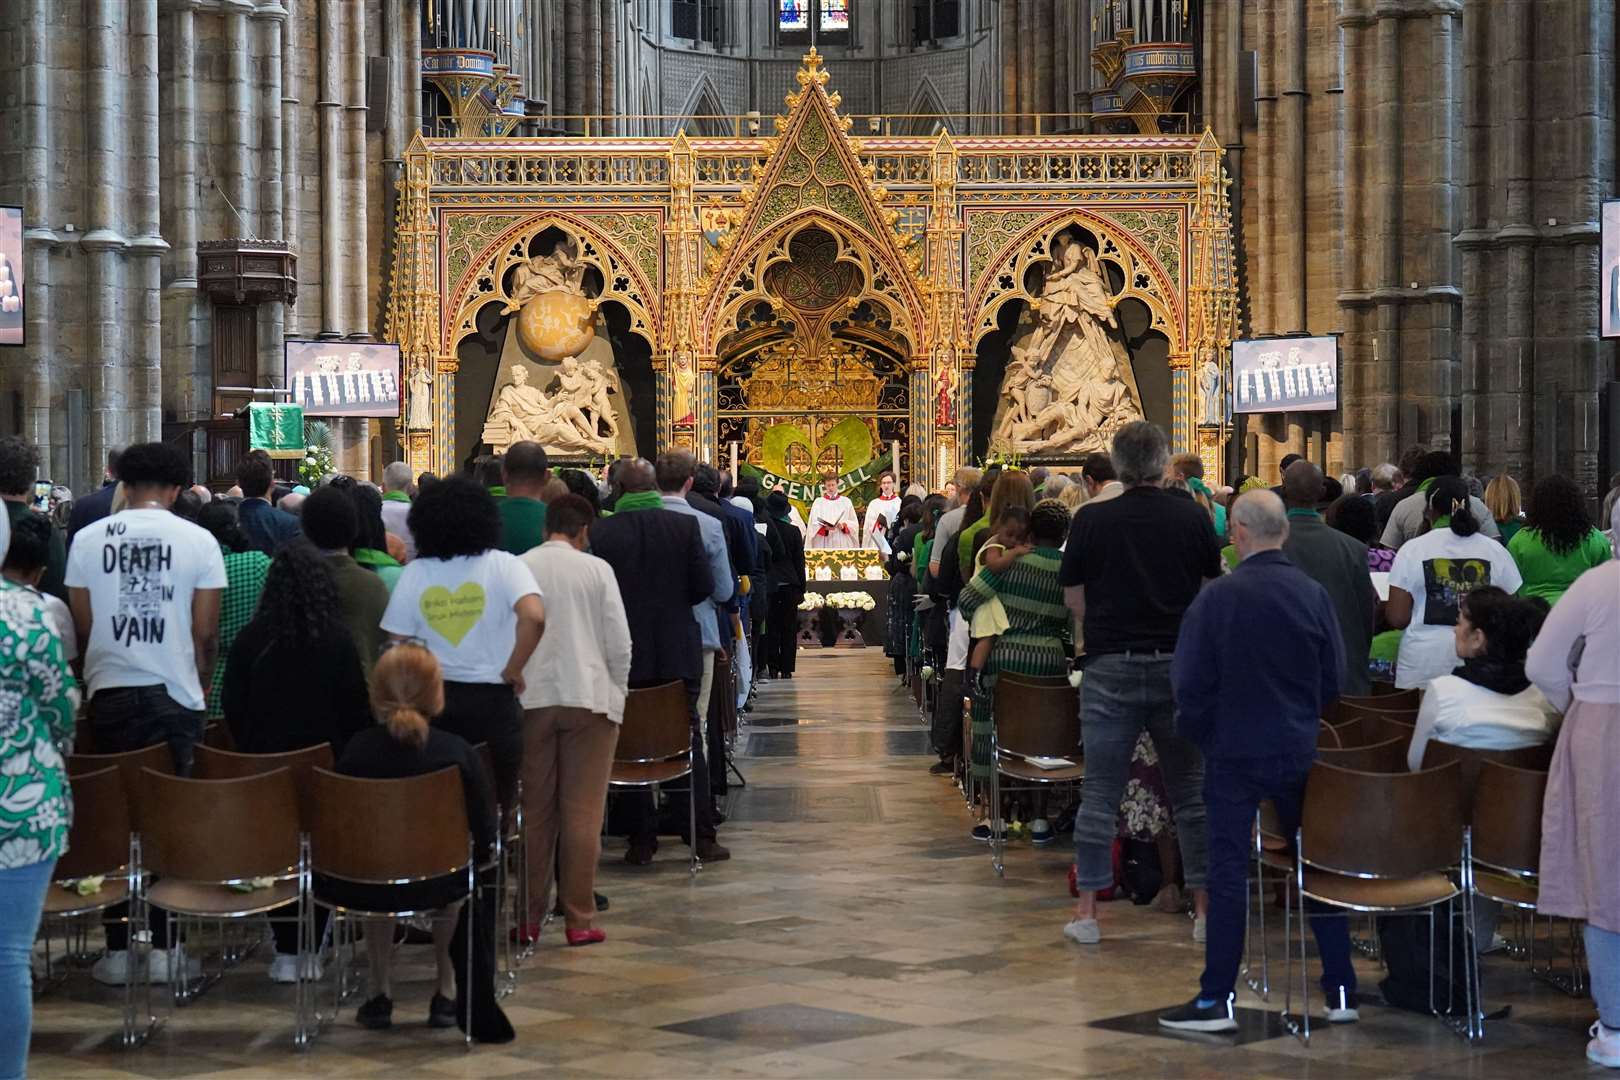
1558, 543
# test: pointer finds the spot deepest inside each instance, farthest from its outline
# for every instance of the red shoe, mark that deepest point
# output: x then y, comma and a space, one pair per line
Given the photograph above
585, 937
526, 934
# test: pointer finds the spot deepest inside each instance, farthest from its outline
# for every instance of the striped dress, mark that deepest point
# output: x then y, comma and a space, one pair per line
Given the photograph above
1036, 642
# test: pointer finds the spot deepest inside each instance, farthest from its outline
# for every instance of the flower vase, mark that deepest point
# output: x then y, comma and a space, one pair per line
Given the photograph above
810, 629
849, 630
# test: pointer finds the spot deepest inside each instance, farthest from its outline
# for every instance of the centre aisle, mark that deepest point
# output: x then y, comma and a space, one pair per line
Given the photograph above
856, 931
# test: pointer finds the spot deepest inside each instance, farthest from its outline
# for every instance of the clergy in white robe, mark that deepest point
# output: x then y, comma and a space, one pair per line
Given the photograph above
881, 513
832, 523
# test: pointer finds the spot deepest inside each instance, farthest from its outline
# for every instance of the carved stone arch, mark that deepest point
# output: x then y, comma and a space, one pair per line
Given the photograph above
883, 280
1146, 279
623, 279
703, 100
927, 109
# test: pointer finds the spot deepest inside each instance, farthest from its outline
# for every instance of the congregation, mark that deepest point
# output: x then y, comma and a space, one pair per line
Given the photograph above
495, 623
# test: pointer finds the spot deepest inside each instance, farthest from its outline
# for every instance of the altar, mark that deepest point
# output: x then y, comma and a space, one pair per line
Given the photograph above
805, 302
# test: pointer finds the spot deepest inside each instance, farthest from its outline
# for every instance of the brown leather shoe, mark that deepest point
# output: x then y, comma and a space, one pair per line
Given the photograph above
710, 851
639, 856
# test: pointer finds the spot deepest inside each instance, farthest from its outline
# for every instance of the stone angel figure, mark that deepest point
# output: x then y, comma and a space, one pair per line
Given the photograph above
420, 416
563, 268
1209, 389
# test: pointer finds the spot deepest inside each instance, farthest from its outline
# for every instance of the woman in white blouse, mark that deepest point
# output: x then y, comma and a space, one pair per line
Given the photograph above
1487, 703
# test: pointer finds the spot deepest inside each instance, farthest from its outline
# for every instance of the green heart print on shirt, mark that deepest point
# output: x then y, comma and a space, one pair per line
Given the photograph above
452, 615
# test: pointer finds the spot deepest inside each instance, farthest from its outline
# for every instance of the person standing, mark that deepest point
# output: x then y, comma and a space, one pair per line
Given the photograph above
1257, 660
145, 589
332, 526
832, 523
881, 513
98, 504
19, 465
1431, 572
266, 526
1406, 519
396, 498
525, 471
1337, 563
573, 704
666, 574
1130, 569
245, 570
479, 611
1581, 814
38, 701
787, 589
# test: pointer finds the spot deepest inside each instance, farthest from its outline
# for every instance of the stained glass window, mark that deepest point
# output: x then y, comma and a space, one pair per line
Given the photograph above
793, 15
834, 15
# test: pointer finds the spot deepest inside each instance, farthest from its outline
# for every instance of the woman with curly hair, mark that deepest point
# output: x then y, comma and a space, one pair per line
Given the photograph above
1558, 542
478, 609
298, 630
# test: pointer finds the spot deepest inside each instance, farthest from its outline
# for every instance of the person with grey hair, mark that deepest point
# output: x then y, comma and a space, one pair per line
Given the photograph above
1256, 662
1131, 567
397, 505
1385, 477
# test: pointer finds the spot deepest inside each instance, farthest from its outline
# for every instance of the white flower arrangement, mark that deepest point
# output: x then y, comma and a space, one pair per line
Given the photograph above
813, 601
851, 601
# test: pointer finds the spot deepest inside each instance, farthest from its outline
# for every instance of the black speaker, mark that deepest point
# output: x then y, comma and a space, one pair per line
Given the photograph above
379, 93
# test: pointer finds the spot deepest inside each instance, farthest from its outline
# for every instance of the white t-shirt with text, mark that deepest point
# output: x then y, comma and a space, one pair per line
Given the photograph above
141, 569
463, 609
1437, 568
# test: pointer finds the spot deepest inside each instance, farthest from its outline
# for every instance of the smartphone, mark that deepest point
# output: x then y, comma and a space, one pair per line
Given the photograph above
42, 496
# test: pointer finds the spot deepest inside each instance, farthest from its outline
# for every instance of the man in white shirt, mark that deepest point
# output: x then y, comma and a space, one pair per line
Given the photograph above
573, 703
144, 586
1406, 520
396, 507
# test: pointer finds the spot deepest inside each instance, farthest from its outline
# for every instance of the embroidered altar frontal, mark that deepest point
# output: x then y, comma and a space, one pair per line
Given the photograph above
810, 301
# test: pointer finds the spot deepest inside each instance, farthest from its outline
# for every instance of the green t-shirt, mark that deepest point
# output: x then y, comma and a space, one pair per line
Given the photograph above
1547, 574
965, 543
523, 524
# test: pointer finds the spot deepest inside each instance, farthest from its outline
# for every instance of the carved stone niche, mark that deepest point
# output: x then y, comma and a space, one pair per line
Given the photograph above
244, 271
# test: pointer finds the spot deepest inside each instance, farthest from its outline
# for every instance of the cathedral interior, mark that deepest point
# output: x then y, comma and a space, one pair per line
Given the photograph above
204, 180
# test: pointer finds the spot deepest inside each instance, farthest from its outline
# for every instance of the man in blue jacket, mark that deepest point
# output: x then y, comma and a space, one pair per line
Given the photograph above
1257, 661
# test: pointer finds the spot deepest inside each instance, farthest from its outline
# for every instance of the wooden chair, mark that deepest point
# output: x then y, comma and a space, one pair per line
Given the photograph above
1328, 736
1381, 727
203, 840
217, 764
1349, 705
1436, 754
392, 832
1349, 732
1032, 717
218, 736
655, 747
1376, 843
1387, 689
101, 844
130, 764
1385, 757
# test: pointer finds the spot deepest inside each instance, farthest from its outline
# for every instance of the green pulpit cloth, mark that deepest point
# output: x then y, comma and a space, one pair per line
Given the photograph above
276, 429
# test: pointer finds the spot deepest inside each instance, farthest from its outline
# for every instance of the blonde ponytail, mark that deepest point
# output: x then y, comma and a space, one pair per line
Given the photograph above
407, 725
407, 690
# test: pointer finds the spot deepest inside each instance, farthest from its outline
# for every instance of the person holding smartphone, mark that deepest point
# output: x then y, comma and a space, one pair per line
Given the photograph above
19, 465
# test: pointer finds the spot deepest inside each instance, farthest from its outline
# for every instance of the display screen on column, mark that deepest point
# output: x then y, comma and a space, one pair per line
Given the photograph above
11, 276
1293, 374
1609, 286
343, 378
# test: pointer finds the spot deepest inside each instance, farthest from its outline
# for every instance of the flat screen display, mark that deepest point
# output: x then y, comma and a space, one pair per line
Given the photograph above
343, 378
11, 276
1610, 285
1294, 374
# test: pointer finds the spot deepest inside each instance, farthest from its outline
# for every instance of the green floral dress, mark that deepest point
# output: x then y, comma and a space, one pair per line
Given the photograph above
38, 701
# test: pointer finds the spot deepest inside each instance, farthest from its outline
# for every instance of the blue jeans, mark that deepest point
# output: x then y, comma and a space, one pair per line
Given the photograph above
1603, 960
22, 898
1124, 694
1233, 788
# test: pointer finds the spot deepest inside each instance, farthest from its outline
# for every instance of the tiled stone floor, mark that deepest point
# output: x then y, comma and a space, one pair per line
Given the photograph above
857, 932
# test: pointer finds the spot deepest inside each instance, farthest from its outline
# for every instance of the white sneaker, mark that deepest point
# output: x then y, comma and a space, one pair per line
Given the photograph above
284, 968
1604, 1049
1083, 931
1040, 832
162, 964
1200, 930
112, 969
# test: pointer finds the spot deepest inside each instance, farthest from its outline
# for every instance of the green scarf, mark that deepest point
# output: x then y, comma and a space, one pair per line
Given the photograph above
638, 500
1303, 512
1441, 522
373, 558
396, 496
1426, 485
498, 491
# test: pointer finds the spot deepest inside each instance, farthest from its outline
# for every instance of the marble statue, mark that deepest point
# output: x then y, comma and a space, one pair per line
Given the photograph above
557, 422
420, 416
562, 269
1209, 390
1067, 387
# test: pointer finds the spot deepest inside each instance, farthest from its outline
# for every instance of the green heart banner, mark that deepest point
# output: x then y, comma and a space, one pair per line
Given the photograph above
806, 493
